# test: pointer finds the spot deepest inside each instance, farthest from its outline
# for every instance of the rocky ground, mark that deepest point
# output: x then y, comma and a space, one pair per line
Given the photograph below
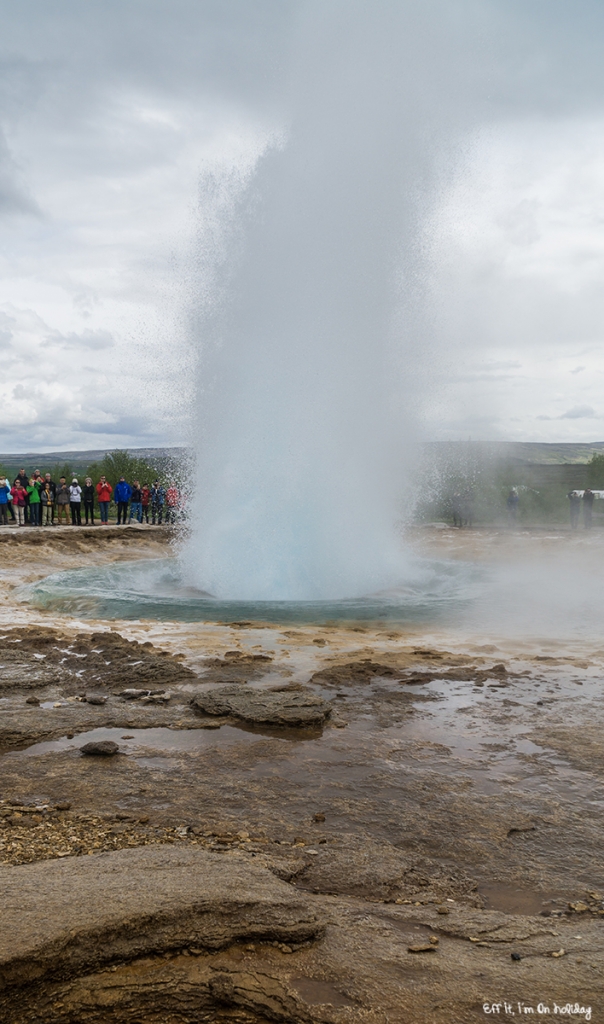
310, 824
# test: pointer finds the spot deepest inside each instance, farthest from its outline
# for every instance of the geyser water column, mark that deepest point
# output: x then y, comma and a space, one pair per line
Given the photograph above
308, 366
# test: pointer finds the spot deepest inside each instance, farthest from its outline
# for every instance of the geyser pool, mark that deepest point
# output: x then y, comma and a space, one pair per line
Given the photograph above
155, 589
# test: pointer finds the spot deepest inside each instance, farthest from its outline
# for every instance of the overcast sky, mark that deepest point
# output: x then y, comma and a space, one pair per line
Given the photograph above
112, 112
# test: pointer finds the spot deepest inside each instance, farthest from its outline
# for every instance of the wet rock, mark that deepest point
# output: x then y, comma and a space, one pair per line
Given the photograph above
364, 671
34, 657
154, 898
100, 748
295, 708
236, 667
134, 694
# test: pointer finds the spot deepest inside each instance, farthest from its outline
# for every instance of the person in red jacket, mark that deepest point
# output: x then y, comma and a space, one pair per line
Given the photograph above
172, 503
19, 494
104, 492
146, 499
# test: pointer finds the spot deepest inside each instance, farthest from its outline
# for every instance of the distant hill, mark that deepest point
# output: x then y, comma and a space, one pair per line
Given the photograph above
524, 453
82, 459
520, 453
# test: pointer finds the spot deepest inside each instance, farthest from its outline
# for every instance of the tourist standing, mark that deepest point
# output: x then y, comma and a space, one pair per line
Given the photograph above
574, 499
23, 479
136, 502
122, 497
588, 507
53, 488
103, 493
75, 503
145, 500
47, 504
9, 506
158, 497
34, 503
172, 503
456, 509
512, 506
63, 501
19, 494
88, 499
4, 501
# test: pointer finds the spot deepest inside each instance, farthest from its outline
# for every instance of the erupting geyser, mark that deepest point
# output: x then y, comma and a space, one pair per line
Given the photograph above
307, 373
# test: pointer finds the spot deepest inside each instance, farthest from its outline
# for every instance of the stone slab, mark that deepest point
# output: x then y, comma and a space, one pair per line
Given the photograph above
296, 708
63, 917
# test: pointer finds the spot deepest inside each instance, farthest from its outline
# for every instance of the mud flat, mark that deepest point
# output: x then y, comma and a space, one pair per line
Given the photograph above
310, 824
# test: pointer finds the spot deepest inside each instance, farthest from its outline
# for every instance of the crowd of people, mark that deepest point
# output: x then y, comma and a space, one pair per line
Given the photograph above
581, 501
581, 507
40, 501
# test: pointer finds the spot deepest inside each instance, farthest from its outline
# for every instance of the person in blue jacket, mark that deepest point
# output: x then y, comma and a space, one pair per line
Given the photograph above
121, 497
158, 498
4, 501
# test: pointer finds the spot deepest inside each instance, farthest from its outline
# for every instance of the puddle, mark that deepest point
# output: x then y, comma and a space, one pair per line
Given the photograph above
319, 993
512, 899
188, 741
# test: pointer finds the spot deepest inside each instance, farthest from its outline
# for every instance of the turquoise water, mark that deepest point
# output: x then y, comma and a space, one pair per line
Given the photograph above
154, 590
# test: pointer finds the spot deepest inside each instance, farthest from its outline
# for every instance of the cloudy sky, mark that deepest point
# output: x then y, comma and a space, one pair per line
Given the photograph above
115, 115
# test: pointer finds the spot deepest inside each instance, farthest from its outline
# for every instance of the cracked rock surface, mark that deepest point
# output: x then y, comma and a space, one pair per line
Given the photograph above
62, 918
297, 708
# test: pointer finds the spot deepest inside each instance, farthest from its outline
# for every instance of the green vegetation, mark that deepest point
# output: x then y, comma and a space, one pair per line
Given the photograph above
595, 473
121, 463
60, 469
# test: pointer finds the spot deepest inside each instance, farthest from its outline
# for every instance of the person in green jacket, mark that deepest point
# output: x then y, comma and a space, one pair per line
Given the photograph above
34, 502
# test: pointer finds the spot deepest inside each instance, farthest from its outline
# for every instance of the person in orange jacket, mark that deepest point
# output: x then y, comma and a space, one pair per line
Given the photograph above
104, 491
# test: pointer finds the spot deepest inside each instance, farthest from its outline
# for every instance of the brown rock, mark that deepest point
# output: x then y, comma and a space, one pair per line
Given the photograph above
297, 708
100, 748
56, 925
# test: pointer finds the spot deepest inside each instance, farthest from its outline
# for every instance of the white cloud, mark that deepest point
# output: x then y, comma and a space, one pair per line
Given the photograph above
110, 113
579, 412
517, 257
102, 143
